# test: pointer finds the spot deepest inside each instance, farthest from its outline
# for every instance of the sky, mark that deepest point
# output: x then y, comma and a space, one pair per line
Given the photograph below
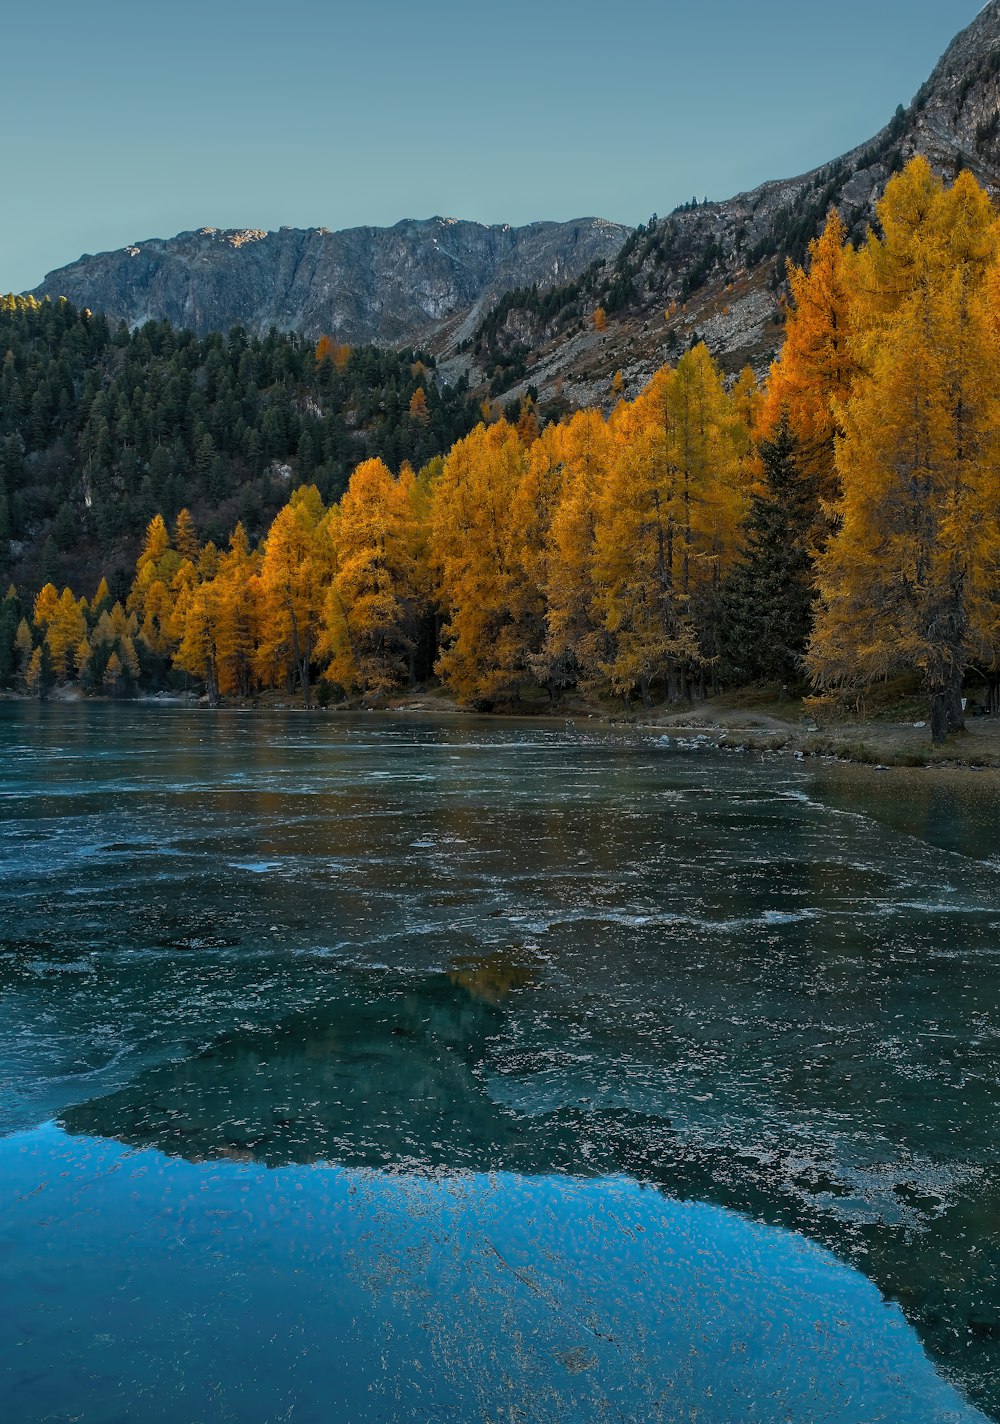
123, 122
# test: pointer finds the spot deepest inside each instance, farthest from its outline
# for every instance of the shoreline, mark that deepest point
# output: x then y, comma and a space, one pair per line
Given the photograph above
879, 745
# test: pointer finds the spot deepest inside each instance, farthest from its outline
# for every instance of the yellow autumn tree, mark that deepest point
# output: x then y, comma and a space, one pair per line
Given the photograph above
24, 646
295, 569
706, 445
34, 684
113, 675
101, 599
492, 611
151, 596
157, 630
816, 369
375, 606
64, 629
197, 651
81, 660
665, 527
644, 634
571, 643
911, 579
186, 537
45, 606
237, 615
114, 634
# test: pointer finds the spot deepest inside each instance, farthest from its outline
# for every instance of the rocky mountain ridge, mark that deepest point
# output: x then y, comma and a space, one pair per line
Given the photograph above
715, 270
390, 286
513, 308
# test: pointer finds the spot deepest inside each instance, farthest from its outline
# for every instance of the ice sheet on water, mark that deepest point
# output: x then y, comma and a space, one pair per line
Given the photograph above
729, 948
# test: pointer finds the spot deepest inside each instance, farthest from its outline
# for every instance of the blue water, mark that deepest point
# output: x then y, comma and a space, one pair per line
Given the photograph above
364, 1069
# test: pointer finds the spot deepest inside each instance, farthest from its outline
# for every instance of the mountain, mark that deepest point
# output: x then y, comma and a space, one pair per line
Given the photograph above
512, 308
385, 285
715, 270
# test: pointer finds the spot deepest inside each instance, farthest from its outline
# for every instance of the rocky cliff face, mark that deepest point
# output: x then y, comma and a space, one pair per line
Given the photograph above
386, 285
714, 271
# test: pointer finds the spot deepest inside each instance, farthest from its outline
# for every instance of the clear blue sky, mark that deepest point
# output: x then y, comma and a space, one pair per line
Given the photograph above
121, 122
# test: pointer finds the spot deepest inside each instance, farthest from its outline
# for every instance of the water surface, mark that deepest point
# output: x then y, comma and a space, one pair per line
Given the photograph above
364, 1068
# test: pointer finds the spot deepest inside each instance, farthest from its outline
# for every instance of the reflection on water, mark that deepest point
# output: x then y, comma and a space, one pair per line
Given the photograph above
453, 1071
491, 977
346, 1294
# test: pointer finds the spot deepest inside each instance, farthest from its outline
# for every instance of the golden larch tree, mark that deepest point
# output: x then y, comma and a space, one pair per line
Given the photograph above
294, 571
572, 644
816, 369
491, 608
911, 580
376, 603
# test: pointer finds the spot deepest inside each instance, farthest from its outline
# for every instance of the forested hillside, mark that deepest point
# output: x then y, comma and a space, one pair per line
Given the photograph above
841, 524
101, 428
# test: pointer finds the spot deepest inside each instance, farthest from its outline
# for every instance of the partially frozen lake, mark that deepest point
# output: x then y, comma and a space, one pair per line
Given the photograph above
363, 1068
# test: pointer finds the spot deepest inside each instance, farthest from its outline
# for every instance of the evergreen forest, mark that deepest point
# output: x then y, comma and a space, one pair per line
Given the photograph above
102, 428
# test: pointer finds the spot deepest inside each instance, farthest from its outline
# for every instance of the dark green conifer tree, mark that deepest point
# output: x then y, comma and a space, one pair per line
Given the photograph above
10, 616
766, 602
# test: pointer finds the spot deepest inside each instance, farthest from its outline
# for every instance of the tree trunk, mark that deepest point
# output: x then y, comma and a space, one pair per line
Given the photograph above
946, 711
954, 711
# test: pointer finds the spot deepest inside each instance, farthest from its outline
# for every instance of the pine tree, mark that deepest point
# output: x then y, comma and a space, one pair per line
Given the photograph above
767, 597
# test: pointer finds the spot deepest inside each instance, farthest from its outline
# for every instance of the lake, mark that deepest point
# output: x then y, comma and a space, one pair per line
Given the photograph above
367, 1068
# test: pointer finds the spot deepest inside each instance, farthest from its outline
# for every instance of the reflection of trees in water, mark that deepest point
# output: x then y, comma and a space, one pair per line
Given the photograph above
956, 809
490, 978
373, 1081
